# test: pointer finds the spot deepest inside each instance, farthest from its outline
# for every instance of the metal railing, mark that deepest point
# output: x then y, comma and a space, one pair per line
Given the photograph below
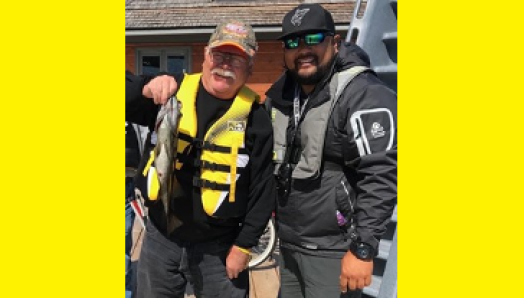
374, 28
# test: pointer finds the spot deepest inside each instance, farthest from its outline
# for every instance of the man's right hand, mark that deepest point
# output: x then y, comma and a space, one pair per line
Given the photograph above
160, 89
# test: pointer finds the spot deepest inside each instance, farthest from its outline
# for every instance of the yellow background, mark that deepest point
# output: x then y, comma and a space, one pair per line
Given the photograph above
460, 162
460, 158
62, 158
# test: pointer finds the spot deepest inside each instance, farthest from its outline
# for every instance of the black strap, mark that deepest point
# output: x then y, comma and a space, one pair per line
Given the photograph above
205, 145
202, 183
292, 154
268, 105
215, 166
185, 137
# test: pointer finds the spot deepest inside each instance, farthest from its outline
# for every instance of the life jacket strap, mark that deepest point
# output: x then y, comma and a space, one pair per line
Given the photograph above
202, 183
207, 165
205, 145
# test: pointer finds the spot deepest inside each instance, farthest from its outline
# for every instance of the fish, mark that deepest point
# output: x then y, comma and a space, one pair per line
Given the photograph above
166, 128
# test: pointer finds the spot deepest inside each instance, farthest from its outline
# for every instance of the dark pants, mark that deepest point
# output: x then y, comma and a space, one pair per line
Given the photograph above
306, 276
165, 266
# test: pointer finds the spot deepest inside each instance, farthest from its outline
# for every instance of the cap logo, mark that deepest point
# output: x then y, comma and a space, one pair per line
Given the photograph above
238, 29
296, 20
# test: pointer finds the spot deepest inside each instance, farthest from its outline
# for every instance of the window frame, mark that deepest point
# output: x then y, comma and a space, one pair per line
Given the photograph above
163, 53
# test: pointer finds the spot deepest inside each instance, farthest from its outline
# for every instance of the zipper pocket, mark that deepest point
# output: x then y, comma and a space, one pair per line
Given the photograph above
349, 197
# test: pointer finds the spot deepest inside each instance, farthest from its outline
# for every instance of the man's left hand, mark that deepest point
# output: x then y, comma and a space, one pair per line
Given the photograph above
236, 262
356, 273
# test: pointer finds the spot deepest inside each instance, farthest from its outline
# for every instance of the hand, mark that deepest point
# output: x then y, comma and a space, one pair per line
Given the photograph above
236, 262
160, 89
356, 274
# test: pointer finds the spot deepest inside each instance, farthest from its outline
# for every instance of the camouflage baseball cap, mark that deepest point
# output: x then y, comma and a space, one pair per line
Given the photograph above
235, 33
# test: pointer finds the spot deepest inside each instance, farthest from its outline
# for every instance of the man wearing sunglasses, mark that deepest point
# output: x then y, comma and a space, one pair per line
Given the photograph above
223, 164
335, 159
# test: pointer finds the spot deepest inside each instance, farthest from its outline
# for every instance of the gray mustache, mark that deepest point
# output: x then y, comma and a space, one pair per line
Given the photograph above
224, 73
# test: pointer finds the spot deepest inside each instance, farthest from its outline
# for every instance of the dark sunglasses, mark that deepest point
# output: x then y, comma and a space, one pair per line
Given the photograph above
310, 39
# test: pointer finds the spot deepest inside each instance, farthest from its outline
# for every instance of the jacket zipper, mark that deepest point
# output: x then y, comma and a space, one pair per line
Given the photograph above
347, 193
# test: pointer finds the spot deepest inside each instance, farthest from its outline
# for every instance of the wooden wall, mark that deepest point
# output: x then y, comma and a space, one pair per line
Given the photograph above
268, 64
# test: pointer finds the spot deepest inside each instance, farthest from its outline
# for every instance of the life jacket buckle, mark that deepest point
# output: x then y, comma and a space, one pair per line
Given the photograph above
209, 146
199, 144
211, 185
204, 183
204, 145
209, 165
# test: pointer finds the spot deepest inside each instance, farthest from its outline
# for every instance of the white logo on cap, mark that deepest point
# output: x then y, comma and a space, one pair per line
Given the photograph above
236, 28
299, 15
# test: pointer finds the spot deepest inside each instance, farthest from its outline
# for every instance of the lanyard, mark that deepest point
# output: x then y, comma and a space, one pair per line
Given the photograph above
297, 110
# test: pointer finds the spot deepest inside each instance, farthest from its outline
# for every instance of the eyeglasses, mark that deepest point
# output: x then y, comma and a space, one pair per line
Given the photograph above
310, 39
234, 60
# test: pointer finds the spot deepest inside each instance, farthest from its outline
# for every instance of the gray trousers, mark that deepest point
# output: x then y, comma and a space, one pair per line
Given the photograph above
165, 266
306, 276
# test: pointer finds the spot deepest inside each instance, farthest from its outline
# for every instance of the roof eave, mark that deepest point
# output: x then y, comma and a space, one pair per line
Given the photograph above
192, 31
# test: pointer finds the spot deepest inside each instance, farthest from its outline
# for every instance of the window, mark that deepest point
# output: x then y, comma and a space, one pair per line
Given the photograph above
171, 60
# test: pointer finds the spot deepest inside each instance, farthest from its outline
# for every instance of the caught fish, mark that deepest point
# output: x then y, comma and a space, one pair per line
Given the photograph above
165, 152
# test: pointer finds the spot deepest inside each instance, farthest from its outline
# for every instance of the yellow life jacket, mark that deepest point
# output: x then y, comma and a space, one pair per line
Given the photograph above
223, 155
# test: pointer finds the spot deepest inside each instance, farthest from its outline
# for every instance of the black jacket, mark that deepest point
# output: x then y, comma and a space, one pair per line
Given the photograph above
359, 161
199, 227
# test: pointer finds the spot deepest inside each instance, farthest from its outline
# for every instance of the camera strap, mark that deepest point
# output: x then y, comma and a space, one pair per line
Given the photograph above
298, 115
297, 110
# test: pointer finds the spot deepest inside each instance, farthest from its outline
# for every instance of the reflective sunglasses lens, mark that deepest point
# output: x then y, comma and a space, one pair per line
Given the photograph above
292, 43
314, 38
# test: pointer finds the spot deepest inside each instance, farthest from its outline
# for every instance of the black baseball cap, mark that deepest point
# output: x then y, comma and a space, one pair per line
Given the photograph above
307, 18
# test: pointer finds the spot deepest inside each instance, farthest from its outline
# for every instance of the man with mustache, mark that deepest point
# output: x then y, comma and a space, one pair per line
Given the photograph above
335, 154
223, 165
